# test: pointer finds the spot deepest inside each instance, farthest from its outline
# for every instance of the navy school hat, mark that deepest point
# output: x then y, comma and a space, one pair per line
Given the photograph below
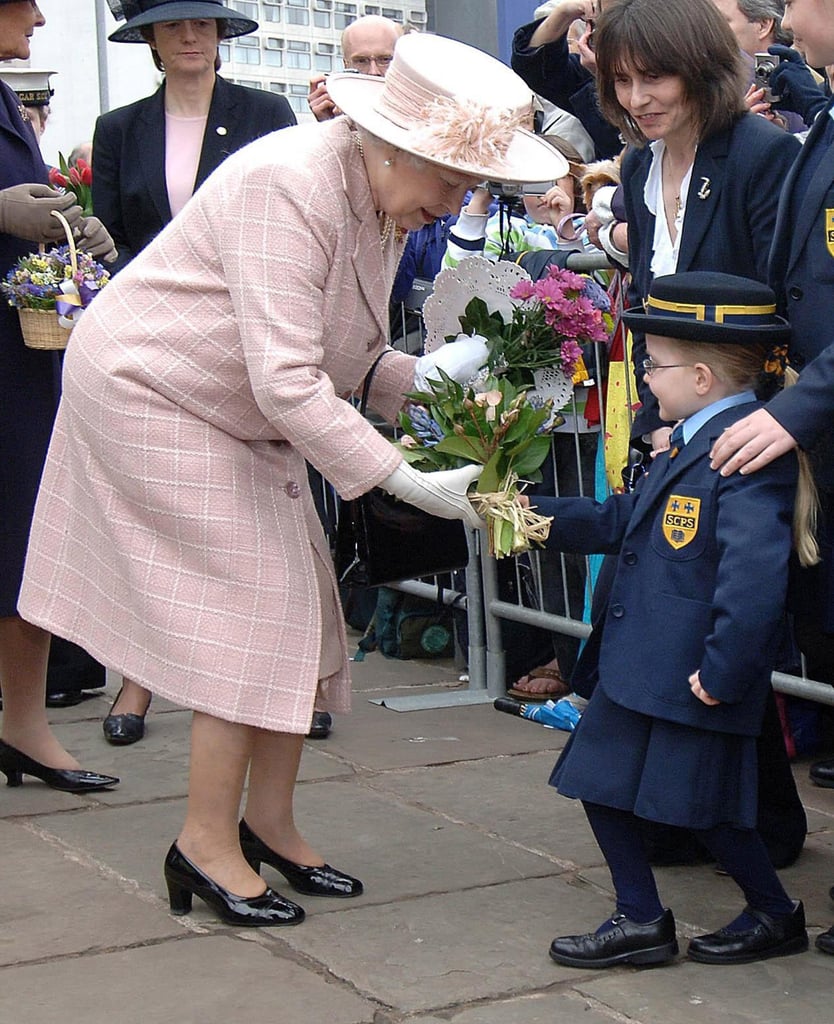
708, 307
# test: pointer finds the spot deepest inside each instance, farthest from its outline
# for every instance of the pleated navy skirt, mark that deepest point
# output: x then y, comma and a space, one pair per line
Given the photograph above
659, 770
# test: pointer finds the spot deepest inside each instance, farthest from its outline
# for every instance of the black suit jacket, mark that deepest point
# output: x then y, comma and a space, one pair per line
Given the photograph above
129, 191
729, 222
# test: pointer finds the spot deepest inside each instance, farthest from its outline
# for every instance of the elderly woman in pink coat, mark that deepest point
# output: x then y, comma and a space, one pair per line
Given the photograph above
175, 535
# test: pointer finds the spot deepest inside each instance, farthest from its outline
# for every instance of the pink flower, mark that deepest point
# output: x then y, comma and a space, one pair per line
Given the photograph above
523, 290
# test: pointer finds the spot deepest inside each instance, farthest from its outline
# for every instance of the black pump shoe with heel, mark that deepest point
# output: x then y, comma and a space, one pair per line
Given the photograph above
15, 764
122, 730
311, 881
185, 880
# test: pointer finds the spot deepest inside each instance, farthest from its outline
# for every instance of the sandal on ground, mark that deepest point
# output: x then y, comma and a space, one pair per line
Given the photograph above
560, 686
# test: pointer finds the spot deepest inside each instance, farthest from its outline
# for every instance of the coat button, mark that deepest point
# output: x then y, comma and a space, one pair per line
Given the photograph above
795, 293
292, 489
630, 558
617, 611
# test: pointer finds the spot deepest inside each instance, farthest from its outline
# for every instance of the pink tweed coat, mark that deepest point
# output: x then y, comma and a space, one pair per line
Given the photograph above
174, 530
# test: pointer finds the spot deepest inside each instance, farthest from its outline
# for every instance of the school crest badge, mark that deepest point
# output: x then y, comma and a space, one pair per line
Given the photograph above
829, 231
680, 520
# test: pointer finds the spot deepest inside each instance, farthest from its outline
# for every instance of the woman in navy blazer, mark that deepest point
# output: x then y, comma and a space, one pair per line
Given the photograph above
672, 79
130, 193
147, 161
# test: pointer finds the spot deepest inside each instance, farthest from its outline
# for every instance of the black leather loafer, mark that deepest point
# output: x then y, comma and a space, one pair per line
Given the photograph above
312, 881
625, 942
184, 880
15, 764
64, 699
320, 726
825, 942
772, 936
822, 773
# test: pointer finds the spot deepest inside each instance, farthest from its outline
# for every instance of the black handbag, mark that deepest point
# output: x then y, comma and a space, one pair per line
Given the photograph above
381, 539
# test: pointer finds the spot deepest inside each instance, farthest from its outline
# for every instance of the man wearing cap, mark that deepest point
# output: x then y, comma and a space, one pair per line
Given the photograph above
367, 47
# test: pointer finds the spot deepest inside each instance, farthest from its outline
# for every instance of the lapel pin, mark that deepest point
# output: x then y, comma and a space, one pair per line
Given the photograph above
221, 130
704, 190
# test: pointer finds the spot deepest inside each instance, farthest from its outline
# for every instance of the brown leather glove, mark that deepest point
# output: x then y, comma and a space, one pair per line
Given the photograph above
25, 212
94, 238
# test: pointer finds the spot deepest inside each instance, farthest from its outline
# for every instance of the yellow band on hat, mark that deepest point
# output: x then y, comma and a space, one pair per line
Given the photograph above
699, 309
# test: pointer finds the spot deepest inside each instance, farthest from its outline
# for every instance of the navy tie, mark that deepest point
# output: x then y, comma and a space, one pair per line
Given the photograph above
676, 441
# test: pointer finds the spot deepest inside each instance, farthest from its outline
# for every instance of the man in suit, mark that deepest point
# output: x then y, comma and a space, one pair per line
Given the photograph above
802, 272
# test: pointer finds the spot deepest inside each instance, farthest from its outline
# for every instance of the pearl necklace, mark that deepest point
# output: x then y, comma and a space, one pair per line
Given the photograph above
384, 222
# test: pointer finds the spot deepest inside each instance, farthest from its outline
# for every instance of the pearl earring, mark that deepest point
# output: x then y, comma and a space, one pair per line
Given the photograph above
389, 162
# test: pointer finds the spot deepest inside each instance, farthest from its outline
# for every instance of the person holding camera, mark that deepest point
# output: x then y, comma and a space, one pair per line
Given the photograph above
542, 55
367, 48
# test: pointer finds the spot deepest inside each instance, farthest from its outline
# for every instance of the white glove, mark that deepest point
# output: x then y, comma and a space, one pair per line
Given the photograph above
441, 494
460, 359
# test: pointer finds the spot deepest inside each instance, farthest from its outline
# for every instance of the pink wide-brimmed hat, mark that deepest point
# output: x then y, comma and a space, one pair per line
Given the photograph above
453, 105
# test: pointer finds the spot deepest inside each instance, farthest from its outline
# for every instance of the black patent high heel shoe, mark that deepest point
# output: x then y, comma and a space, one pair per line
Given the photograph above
122, 730
312, 881
15, 764
184, 880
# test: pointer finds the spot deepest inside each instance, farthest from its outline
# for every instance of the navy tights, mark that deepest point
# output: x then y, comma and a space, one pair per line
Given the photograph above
740, 852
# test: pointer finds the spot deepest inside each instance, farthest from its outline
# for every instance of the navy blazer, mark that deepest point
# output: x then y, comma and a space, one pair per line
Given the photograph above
699, 583
729, 222
129, 190
802, 274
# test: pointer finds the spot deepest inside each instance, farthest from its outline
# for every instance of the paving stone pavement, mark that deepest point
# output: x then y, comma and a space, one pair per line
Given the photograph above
471, 865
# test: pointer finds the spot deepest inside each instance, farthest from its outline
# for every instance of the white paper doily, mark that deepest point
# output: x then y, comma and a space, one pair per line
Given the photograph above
552, 382
455, 287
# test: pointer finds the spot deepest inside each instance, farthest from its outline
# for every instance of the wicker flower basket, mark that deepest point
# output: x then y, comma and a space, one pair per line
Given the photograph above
40, 327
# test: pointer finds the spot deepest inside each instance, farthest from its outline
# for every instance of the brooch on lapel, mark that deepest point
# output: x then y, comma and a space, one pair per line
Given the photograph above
705, 190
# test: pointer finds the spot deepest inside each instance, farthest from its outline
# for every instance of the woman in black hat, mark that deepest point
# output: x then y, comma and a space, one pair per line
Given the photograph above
679, 662
150, 156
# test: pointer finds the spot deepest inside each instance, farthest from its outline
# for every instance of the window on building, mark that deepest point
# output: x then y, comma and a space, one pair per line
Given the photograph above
324, 59
322, 13
272, 10
246, 8
344, 14
250, 83
372, 9
274, 52
393, 14
298, 12
297, 97
417, 18
225, 51
247, 50
279, 87
298, 56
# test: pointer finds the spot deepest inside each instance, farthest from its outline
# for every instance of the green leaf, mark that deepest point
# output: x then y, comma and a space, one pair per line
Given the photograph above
466, 448
529, 460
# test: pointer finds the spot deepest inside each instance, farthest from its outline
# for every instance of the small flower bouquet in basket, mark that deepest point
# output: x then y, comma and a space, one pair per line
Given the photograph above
495, 425
50, 290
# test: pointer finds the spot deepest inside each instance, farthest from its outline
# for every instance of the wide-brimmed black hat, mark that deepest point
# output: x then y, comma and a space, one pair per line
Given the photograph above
140, 13
715, 308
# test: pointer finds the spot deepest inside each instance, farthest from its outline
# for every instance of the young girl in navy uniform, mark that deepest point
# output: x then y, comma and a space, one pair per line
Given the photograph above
679, 661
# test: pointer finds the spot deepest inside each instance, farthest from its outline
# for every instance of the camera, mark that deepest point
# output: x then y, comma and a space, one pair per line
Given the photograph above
764, 64
512, 190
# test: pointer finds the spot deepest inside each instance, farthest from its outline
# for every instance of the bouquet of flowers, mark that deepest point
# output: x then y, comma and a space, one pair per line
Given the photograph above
77, 179
551, 321
60, 283
495, 425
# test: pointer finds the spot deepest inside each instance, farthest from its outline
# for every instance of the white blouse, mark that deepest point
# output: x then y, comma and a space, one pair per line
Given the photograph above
665, 251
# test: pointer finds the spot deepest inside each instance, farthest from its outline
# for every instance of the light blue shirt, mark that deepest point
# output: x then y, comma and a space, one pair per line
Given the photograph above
692, 424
